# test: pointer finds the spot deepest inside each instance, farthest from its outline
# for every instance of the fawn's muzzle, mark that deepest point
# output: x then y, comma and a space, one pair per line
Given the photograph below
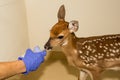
47, 46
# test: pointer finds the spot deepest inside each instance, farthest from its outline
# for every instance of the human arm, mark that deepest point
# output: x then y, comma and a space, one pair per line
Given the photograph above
8, 69
30, 62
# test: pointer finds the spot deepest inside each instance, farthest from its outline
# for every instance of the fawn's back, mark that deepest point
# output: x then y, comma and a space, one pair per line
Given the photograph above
99, 49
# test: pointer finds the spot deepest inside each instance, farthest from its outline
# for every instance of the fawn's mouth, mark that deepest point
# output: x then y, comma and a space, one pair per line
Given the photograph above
48, 48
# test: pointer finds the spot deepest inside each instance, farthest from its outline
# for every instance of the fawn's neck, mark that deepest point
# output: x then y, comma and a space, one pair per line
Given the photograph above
69, 43
69, 48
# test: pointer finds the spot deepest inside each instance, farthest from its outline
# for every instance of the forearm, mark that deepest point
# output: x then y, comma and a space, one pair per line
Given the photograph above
8, 69
30, 62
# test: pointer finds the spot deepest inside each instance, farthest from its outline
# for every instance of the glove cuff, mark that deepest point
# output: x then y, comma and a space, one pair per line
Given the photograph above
27, 71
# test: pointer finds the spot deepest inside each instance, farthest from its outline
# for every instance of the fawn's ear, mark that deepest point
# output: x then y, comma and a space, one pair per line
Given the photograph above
61, 13
73, 26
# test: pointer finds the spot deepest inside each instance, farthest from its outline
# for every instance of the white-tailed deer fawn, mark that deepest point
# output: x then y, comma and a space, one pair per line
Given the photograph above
91, 55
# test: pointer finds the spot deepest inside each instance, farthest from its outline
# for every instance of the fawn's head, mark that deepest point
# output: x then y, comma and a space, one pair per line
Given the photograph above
61, 30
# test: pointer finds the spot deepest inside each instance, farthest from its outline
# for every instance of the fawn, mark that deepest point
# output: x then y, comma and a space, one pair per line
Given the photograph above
91, 55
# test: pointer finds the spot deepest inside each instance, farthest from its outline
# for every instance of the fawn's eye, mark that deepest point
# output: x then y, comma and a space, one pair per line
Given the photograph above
60, 37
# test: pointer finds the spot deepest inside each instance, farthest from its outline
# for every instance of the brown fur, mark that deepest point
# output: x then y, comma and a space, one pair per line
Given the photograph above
91, 55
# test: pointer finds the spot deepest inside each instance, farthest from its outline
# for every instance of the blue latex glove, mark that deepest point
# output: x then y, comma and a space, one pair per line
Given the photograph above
32, 59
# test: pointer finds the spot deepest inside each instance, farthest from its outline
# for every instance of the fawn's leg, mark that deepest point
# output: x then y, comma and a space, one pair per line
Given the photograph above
96, 75
82, 75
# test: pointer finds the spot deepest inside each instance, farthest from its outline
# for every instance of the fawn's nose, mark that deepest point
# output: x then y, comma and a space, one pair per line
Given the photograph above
47, 46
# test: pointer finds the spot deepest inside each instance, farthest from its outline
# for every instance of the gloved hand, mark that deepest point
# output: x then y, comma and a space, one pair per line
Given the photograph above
32, 59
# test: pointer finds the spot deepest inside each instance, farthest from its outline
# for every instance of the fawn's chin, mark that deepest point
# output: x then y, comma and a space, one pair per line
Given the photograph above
49, 49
